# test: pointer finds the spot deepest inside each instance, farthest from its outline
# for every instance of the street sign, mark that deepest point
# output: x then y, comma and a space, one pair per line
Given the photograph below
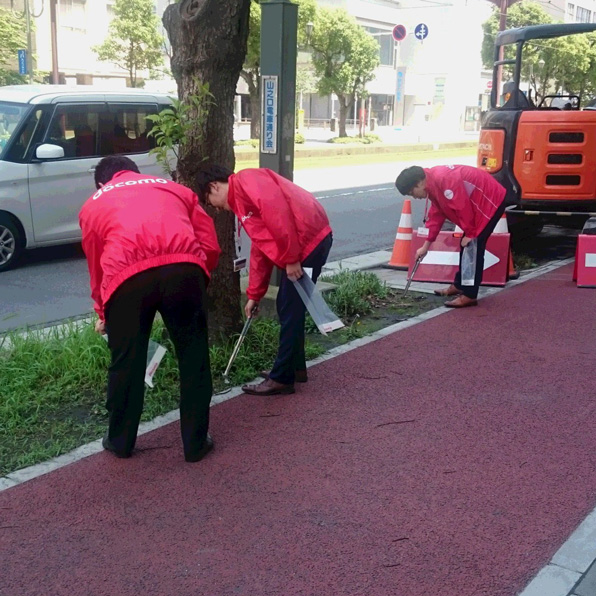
269, 115
22, 61
421, 31
489, 85
399, 32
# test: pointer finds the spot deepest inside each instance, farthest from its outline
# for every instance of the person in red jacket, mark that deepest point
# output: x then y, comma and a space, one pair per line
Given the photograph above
150, 247
289, 229
470, 198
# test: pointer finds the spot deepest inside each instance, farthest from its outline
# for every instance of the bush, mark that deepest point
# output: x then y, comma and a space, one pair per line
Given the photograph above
299, 139
365, 140
354, 289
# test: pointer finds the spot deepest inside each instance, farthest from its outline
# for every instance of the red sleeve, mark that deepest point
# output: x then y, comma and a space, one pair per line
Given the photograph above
274, 207
259, 274
93, 249
435, 222
205, 233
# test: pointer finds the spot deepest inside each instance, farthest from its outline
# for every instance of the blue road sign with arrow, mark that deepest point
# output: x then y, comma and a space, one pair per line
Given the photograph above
421, 31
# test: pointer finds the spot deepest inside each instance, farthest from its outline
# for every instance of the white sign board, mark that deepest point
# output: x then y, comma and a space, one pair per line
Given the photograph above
269, 90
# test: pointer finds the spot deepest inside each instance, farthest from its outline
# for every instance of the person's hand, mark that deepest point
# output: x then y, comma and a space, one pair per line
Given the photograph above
250, 306
100, 327
465, 241
294, 271
421, 253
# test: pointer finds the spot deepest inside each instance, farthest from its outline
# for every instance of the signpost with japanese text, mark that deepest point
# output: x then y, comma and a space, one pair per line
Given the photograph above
279, 38
269, 114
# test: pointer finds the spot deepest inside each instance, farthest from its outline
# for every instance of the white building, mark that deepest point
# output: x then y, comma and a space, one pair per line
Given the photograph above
439, 77
81, 24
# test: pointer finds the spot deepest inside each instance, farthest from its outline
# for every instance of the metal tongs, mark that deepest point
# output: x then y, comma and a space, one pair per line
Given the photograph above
238, 344
414, 269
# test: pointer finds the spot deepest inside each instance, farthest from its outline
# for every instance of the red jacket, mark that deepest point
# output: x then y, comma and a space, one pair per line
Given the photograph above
283, 221
136, 222
464, 195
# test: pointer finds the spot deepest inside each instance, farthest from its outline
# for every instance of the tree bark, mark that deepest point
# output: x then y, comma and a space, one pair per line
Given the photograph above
344, 105
211, 48
253, 82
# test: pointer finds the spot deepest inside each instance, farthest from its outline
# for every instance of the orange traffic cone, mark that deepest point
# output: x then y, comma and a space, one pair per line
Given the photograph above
400, 257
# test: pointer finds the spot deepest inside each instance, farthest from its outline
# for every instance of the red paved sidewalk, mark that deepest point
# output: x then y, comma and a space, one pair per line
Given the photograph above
452, 458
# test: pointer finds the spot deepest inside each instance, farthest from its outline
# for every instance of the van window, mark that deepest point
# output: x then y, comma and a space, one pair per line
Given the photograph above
75, 129
24, 137
126, 129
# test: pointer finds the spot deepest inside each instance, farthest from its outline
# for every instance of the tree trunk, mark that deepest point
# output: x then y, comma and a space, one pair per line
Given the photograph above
344, 106
210, 47
253, 81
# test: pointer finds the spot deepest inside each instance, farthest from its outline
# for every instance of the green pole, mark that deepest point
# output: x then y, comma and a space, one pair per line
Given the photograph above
279, 38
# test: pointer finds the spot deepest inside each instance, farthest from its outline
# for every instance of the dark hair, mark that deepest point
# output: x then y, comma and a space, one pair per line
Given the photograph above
207, 174
408, 179
109, 166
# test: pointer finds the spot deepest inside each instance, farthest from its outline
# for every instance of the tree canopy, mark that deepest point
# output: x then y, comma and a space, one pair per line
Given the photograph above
133, 42
345, 57
564, 64
12, 39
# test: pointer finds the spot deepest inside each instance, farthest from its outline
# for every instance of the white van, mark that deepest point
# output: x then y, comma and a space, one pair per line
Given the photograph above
51, 139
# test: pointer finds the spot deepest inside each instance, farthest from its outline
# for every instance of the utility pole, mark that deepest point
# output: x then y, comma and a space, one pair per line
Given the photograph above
54, 36
29, 42
503, 5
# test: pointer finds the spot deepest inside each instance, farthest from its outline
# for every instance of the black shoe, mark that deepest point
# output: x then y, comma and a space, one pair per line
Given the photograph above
108, 446
205, 449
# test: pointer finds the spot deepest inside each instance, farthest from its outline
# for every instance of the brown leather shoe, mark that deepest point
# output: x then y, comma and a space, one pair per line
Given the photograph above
450, 291
268, 387
300, 376
461, 302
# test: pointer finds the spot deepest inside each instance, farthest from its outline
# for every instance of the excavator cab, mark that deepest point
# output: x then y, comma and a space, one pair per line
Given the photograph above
542, 150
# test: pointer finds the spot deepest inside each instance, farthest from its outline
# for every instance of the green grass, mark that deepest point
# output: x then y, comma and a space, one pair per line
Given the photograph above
521, 262
53, 388
333, 161
53, 385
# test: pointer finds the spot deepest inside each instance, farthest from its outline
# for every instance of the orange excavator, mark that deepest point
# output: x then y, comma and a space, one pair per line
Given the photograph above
543, 152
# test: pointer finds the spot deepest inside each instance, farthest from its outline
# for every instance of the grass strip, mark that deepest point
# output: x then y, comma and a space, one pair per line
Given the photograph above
334, 161
54, 382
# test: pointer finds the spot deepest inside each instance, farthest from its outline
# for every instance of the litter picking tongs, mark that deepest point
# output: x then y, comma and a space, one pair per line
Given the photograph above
238, 344
418, 261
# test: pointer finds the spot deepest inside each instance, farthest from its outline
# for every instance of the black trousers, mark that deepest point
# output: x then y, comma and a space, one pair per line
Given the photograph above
178, 293
291, 312
472, 291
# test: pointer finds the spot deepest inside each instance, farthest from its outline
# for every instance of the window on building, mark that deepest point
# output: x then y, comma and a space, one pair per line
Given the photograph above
570, 11
386, 43
72, 14
583, 15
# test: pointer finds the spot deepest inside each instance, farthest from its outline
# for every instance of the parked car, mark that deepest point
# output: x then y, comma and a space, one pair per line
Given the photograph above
51, 139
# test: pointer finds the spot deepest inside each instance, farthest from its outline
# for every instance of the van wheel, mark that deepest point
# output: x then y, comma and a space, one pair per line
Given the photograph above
11, 243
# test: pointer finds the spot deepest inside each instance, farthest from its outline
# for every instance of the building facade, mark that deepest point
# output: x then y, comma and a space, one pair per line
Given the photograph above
431, 78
